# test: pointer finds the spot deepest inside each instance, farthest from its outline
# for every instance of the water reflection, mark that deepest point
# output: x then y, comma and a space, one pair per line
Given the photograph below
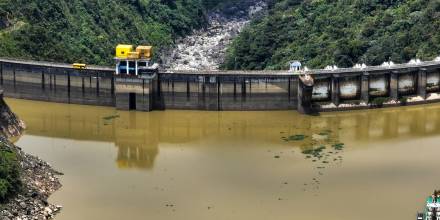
138, 136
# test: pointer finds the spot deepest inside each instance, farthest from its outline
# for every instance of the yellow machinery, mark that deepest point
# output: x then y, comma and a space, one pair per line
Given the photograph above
123, 50
134, 62
133, 55
79, 66
145, 52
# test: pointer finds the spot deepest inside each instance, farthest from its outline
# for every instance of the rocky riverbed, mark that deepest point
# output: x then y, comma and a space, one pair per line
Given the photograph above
205, 49
39, 179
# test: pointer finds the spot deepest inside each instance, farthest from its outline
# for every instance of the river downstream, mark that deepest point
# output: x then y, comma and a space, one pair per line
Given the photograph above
377, 164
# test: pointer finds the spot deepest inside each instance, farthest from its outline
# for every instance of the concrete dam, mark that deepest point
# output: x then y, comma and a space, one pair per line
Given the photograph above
328, 90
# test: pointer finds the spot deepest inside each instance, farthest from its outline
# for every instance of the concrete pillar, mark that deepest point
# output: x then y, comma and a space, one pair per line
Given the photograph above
421, 83
13, 72
365, 87
83, 86
97, 83
127, 70
304, 92
68, 84
394, 85
188, 90
1, 73
235, 88
117, 67
243, 88
50, 81
212, 101
335, 89
136, 67
43, 81
112, 88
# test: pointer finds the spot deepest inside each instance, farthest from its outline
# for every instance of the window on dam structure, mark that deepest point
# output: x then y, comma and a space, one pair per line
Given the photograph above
132, 101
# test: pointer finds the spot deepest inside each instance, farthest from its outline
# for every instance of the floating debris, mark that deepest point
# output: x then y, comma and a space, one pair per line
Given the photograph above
111, 117
298, 137
314, 152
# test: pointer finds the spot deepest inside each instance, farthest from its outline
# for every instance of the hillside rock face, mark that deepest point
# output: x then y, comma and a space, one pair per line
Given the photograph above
10, 124
39, 180
205, 49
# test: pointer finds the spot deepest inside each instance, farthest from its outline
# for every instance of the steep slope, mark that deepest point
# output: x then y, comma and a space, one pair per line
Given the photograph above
88, 30
205, 49
25, 181
341, 32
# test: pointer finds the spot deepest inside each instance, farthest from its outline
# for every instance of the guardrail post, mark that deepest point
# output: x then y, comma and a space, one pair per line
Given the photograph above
335, 89
394, 85
421, 83
365, 87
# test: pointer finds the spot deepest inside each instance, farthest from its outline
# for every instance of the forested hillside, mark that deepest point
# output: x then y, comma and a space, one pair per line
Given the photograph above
341, 32
88, 30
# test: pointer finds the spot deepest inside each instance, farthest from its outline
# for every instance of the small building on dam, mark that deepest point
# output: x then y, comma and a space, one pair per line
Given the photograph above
137, 84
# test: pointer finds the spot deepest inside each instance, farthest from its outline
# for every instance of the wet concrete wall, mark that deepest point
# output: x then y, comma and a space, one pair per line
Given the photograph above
321, 90
379, 85
350, 88
433, 82
356, 87
228, 92
211, 90
203, 91
57, 84
407, 84
133, 94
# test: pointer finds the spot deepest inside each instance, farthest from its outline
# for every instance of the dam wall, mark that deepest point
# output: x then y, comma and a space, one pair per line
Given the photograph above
227, 91
163, 90
57, 84
362, 88
332, 90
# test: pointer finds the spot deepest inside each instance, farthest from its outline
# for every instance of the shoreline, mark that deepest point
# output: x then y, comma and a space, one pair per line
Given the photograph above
39, 180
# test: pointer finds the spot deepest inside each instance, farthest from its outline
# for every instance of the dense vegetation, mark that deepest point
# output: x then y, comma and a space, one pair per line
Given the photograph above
88, 30
341, 32
9, 172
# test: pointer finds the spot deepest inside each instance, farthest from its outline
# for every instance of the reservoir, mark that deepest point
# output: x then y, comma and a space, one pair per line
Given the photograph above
199, 165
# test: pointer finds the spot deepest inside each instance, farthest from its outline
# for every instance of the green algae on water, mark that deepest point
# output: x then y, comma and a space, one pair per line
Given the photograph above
316, 152
338, 146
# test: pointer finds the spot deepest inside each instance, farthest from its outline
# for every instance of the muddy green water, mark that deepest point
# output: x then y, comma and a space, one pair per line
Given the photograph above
377, 164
